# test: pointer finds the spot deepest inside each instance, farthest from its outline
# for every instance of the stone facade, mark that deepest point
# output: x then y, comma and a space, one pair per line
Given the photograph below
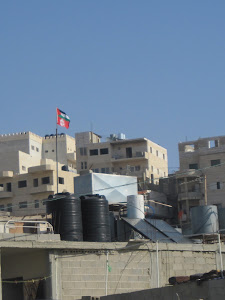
134, 157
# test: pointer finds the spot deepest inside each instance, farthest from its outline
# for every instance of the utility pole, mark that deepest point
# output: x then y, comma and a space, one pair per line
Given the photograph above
205, 185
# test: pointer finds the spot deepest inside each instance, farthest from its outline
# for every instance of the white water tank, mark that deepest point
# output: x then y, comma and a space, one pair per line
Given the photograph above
135, 207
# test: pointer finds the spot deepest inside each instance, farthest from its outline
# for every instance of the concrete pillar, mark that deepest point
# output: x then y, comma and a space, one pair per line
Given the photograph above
55, 272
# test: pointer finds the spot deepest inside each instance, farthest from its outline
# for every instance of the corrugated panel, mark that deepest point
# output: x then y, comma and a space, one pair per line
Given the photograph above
168, 230
147, 230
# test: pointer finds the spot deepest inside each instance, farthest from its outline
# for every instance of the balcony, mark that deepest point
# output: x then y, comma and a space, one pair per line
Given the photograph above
189, 196
45, 188
4, 194
42, 168
71, 156
136, 156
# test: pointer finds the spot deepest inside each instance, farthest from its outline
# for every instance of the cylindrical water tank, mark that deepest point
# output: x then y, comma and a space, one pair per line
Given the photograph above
135, 207
204, 219
95, 216
221, 216
66, 216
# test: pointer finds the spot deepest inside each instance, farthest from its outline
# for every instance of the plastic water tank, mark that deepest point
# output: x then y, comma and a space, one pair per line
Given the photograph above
204, 219
66, 216
135, 207
95, 217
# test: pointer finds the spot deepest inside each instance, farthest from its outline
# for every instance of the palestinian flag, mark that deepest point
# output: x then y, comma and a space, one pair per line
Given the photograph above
62, 118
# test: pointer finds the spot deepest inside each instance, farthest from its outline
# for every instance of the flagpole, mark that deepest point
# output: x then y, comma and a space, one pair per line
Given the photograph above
56, 151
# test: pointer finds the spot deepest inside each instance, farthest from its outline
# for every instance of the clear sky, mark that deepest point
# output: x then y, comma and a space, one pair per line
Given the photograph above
153, 69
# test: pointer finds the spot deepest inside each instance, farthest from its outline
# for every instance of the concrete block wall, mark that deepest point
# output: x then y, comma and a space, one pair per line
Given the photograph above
83, 272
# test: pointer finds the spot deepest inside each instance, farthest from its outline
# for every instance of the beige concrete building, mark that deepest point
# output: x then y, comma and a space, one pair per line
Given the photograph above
28, 170
135, 157
201, 177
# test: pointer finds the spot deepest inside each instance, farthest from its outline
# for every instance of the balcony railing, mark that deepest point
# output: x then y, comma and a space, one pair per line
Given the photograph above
189, 196
137, 155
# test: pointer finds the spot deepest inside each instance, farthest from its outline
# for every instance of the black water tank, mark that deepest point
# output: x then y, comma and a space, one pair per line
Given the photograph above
66, 216
95, 217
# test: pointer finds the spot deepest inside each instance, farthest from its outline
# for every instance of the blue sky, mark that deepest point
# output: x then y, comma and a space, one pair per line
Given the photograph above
153, 69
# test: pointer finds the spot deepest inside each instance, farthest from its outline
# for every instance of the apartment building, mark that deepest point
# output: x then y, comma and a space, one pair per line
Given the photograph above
20, 151
28, 170
138, 157
201, 179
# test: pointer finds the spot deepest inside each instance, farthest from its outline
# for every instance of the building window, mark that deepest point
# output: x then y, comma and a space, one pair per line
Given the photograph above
107, 170
32, 147
46, 151
102, 170
152, 178
129, 152
22, 184
53, 150
82, 165
137, 168
1, 185
9, 207
93, 152
85, 165
36, 203
218, 186
23, 168
152, 169
213, 143
157, 153
23, 204
132, 169
9, 187
61, 180
44, 202
45, 180
215, 162
104, 151
193, 166
83, 151
37, 149
96, 170
35, 182
2, 207
164, 157
150, 149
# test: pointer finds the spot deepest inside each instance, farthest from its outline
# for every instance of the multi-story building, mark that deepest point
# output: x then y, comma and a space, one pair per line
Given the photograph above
135, 157
28, 170
201, 177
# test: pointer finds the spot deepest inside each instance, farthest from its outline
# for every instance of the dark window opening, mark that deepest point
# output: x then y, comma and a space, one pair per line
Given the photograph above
215, 162
193, 166
9, 187
152, 178
137, 168
129, 152
218, 185
22, 184
93, 152
9, 207
61, 180
23, 204
2, 207
35, 182
104, 151
36, 203
45, 180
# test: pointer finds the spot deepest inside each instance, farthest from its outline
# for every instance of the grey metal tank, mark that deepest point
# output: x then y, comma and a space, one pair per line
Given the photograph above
204, 219
221, 215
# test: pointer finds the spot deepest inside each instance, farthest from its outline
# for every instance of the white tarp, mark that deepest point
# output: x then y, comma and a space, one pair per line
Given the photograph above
115, 188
